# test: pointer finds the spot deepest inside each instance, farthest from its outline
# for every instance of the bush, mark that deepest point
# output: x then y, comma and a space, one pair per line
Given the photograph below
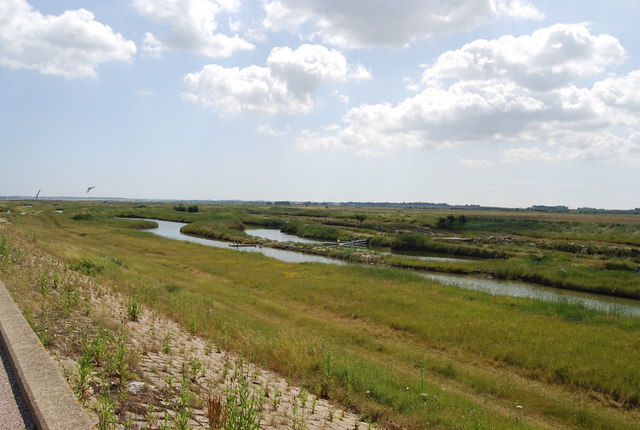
193, 208
82, 217
87, 267
450, 221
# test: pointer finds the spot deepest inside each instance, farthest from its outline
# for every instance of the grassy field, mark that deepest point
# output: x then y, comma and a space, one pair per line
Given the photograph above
398, 349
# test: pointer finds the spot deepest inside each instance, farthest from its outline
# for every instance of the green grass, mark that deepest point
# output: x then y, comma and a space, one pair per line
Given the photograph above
316, 231
571, 230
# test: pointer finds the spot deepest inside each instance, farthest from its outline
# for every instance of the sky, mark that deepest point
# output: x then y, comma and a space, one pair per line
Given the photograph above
508, 103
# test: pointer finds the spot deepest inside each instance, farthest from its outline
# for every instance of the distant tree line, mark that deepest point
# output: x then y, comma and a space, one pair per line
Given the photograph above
182, 208
450, 221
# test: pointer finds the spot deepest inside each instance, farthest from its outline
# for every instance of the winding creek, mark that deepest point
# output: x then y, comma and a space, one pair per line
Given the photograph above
171, 230
626, 307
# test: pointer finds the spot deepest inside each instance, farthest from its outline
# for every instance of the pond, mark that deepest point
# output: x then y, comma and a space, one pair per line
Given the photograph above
619, 306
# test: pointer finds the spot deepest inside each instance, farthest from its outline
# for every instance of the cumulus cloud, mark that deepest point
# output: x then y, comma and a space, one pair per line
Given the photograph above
518, 90
194, 27
350, 24
72, 44
549, 58
287, 84
580, 146
621, 92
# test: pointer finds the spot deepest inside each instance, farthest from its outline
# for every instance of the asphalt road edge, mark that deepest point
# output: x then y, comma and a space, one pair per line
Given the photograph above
51, 402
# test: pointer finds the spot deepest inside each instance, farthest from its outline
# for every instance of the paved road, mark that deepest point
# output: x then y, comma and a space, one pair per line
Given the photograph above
13, 411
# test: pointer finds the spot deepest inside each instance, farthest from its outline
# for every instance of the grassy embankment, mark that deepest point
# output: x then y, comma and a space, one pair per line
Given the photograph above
394, 347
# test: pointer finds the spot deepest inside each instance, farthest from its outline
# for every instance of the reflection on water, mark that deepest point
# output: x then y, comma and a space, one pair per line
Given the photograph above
619, 306
277, 235
171, 230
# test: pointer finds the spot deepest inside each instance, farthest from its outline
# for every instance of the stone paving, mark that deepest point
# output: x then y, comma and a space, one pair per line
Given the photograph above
168, 353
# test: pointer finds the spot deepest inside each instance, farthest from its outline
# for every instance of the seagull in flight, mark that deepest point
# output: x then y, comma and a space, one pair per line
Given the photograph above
90, 188
37, 194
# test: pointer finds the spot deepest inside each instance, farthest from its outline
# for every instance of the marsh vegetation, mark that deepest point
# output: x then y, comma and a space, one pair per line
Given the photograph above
391, 346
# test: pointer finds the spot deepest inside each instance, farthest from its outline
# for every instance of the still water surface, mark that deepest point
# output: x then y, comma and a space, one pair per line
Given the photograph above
619, 306
606, 304
277, 235
171, 230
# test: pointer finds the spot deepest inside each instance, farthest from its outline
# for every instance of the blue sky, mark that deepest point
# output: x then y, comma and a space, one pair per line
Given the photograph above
492, 102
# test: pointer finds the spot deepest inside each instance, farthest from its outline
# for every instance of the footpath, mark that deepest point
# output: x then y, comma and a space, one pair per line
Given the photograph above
40, 396
13, 409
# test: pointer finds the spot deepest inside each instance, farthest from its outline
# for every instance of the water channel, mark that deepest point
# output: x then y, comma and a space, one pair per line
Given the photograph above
619, 306
171, 230
277, 235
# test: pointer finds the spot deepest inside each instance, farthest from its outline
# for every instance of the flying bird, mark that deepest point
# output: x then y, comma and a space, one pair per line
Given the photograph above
37, 194
90, 188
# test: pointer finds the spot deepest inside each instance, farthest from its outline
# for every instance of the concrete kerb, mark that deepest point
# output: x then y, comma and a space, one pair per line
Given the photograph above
52, 404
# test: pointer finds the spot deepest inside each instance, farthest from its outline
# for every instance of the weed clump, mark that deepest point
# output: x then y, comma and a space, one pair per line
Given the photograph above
243, 407
4, 247
133, 310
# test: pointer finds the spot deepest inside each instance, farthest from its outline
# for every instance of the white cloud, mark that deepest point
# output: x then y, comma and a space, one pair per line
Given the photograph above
621, 92
472, 162
516, 9
342, 97
193, 27
350, 24
310, 140
571, 146
518, 90
287, 83
72, 44
270, 131
549, 58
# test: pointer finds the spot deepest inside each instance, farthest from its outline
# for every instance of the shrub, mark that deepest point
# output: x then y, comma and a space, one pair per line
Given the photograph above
82, 217
172, 288
450, 221
87, 267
